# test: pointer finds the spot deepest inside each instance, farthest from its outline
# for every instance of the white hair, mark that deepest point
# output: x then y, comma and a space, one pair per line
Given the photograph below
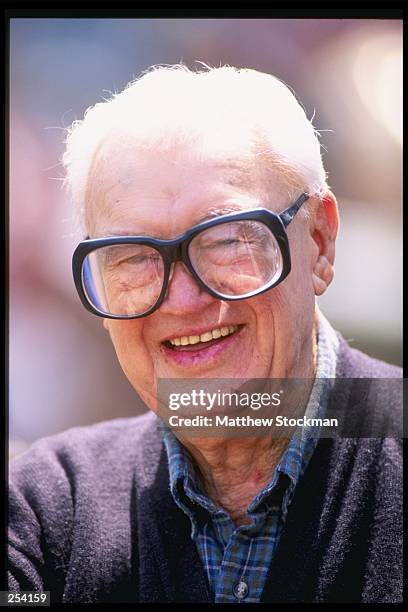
226, 110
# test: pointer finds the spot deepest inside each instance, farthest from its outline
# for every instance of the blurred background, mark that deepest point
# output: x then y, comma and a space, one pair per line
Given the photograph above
347, 73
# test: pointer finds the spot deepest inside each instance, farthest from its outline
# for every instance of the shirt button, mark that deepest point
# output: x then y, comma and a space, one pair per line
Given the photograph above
240, 590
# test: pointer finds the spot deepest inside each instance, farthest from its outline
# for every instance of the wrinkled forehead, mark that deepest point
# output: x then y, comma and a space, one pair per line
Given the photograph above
154, 188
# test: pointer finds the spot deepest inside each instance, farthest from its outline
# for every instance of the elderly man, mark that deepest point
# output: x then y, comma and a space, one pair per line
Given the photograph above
210, 230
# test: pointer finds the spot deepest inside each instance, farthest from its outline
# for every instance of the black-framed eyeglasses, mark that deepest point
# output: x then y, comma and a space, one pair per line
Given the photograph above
232, 257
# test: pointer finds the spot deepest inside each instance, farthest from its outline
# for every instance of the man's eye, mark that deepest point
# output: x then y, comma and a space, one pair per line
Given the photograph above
237, 241
227, 242
136, 259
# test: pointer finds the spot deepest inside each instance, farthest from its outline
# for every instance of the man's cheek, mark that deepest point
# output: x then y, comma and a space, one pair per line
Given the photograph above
131, 350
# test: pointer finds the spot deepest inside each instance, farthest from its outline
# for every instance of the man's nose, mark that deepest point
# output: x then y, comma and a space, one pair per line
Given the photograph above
184, 295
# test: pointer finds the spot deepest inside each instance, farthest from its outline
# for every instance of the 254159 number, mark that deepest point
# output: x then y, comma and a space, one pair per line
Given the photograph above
25, 598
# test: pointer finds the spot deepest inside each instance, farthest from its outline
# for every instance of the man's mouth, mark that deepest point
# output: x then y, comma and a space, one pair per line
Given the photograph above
201, 341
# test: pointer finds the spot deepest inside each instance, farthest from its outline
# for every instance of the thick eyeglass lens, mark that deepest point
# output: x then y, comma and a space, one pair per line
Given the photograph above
123, 279
236, 258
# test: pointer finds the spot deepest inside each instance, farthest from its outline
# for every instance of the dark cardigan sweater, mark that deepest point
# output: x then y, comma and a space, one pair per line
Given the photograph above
92, 518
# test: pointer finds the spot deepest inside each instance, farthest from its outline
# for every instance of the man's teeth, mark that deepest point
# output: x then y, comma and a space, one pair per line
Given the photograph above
205, 337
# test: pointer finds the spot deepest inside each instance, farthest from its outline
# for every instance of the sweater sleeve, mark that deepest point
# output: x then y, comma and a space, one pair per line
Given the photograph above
40, 501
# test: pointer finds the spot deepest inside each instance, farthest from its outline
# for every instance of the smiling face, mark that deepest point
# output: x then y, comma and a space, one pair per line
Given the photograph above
193, 334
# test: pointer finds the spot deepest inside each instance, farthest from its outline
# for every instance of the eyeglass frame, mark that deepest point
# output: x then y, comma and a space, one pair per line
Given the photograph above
176, 249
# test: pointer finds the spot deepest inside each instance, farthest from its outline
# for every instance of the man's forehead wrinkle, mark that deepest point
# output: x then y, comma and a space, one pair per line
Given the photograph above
125, 221
236, 171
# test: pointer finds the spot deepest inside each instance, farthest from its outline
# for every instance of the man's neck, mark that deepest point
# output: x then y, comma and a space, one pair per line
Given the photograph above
232, 474
233, 471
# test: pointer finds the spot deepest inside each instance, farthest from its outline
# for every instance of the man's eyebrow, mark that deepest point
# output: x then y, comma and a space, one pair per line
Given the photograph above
218, 211
211, 213
119, 234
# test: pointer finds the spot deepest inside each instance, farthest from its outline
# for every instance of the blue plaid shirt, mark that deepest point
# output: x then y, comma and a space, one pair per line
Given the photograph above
237, 559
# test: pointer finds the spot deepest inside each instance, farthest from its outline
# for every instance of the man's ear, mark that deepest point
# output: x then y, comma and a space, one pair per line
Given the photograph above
324, 230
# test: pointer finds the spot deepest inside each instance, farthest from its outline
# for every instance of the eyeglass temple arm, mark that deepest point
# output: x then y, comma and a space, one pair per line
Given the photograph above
287, 215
